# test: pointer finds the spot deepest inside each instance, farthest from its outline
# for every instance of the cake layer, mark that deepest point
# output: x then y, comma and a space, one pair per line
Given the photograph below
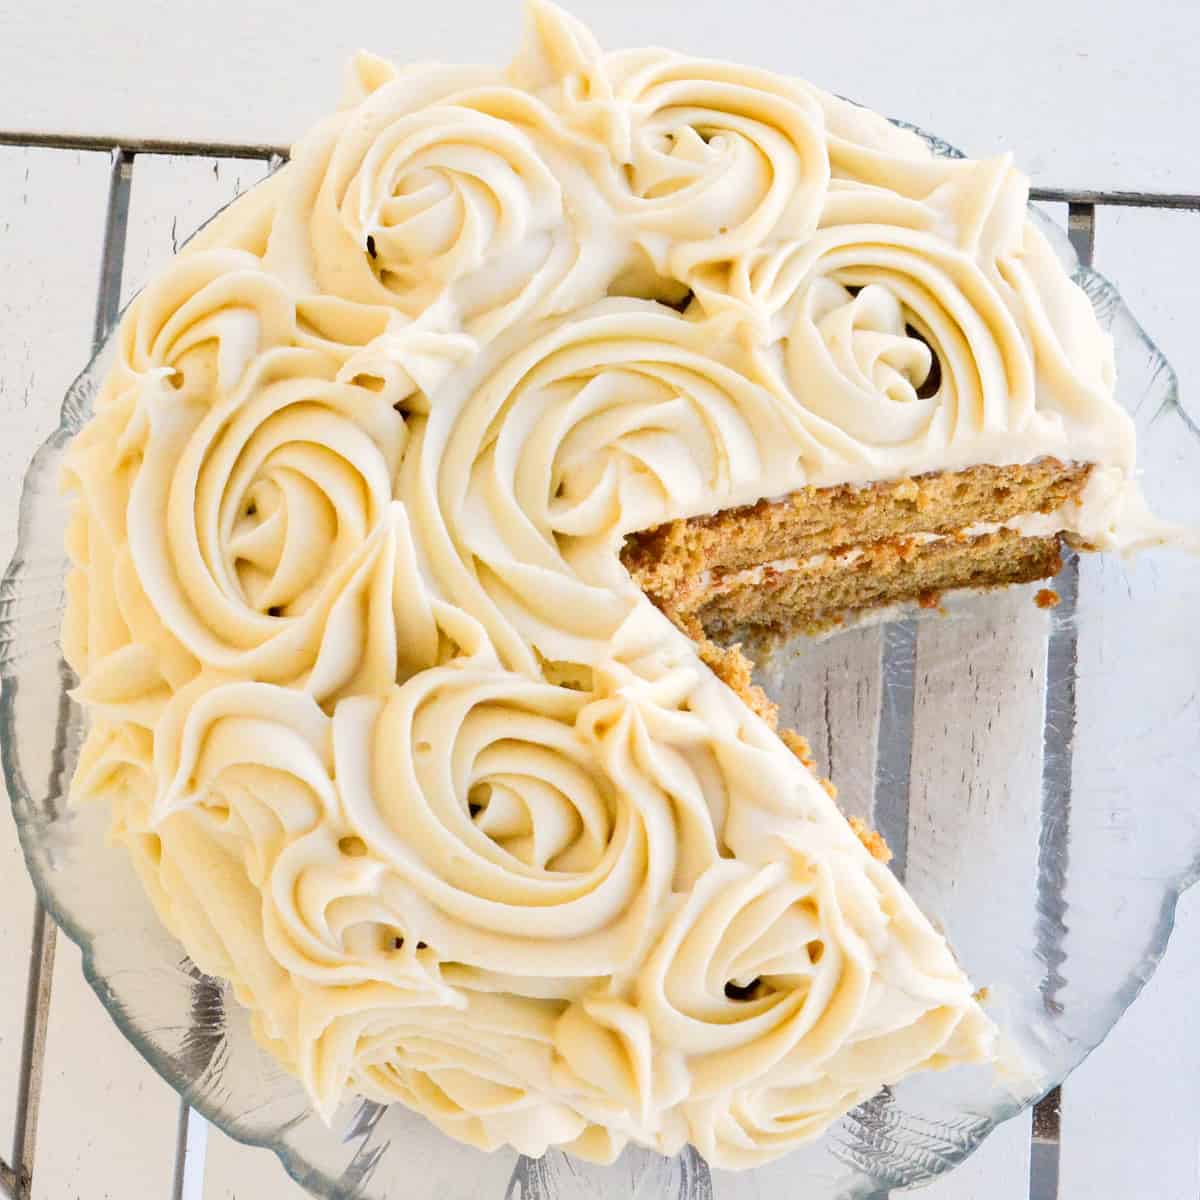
672, 560
815, 594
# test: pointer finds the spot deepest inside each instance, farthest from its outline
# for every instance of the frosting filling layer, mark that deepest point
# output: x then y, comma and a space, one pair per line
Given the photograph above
1031, 525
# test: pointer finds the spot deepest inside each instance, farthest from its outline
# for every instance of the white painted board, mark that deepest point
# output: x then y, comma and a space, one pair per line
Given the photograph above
976, 775
170, 198
1024, 75
52, 206
235, 1171
106, 1117
998, 1170
1131, 1113
832, 697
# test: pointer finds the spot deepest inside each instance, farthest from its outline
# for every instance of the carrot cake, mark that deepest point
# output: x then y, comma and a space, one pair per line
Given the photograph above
818, 556
427, 484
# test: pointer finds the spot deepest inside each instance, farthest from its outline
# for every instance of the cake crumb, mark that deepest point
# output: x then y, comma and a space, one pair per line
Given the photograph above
798, 745
733, 669
1047, 598
930, 599
876, 846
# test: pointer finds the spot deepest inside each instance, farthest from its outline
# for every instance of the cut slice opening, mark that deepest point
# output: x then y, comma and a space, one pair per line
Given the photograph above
819, 557
822, 557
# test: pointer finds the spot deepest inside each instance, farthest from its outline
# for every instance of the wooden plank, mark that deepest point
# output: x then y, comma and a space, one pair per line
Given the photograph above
89, 1144
829, 691
106, 1118
52, 212
170, 199
235, 1171
998, 1170
440, 1168
1131, 1112
976, 775
976, 772
1024, 75
52, 208
191, 1155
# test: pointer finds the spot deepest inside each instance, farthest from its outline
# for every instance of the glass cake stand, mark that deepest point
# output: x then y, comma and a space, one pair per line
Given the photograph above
1036, 771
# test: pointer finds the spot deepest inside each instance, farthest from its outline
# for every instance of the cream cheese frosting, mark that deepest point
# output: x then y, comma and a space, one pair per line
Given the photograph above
398, 748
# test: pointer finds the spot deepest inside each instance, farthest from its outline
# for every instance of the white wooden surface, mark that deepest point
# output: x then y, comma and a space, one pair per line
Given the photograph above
1024, 73
1092, 95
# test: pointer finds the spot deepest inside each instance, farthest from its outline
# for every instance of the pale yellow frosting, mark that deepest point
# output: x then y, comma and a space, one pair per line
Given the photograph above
396, 745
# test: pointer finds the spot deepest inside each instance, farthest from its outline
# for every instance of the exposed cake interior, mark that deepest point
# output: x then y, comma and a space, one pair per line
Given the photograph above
819, 556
